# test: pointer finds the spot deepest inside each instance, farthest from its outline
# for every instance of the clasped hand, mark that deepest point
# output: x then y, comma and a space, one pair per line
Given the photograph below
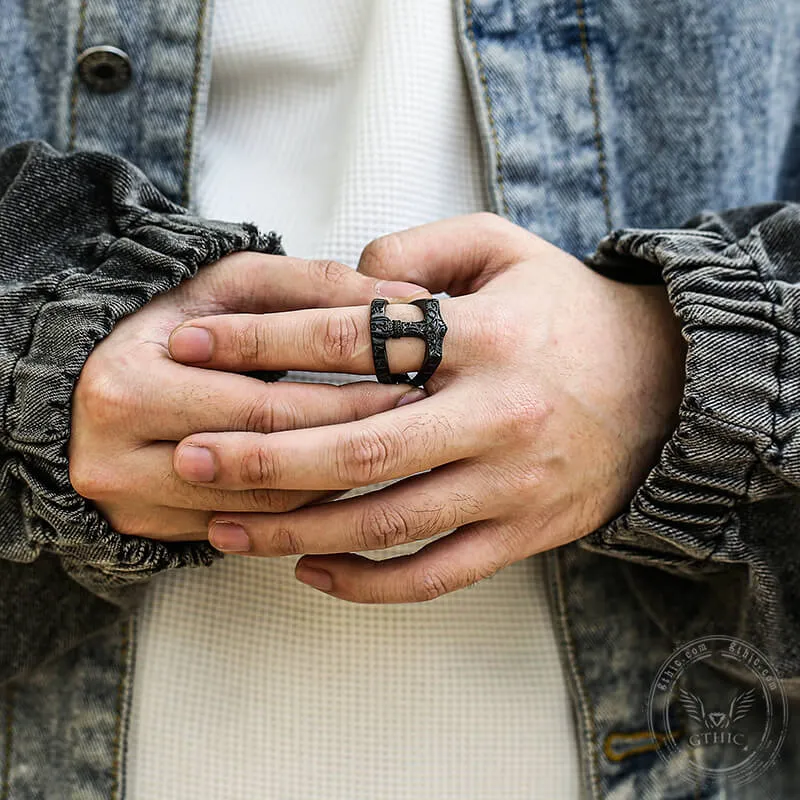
557, 390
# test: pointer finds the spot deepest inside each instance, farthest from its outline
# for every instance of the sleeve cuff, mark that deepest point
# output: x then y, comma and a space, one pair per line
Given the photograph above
108, 268
730, 446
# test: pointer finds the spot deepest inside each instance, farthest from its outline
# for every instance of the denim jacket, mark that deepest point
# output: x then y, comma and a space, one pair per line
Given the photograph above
605, 126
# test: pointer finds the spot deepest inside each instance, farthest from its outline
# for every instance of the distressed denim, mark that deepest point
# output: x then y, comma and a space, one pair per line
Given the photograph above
605, 126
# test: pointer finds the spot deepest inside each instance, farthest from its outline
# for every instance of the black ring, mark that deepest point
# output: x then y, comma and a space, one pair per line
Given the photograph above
431, 329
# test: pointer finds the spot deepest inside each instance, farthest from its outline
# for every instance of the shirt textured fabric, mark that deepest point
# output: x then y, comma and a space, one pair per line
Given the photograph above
335, 123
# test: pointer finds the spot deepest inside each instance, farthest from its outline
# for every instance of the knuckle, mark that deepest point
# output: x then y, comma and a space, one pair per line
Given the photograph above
365, 458
426, 432
522, 411
283, 501
518, 481
267, 415
89, 479
465, 506
247, 343
501, 330
437, 581
278, 501
255, 500
258, 416
528, 479
488, 220
494, 225
383, 526
216, 288
475, 575
340, 338
257, 468
285, 541
102, 395
430, 584
327, 271
379, 255
435, 520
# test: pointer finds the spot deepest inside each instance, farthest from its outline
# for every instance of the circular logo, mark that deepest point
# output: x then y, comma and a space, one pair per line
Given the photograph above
737, 733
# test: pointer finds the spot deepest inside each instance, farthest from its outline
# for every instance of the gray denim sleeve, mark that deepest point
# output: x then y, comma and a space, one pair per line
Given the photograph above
722, 506
85, 239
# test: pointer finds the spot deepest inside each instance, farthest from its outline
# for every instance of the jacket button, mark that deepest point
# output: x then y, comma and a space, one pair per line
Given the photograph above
105, 69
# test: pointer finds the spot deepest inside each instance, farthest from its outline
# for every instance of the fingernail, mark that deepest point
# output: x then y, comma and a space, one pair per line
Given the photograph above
411, 397
190, 344
195, 464
228, 537
312, 576
399, 291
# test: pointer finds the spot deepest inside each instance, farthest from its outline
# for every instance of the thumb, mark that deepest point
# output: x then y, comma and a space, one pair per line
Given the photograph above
457, 255
255, 283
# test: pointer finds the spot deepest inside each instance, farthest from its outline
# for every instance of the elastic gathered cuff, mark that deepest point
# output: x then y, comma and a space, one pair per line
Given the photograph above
735, 442
86, 240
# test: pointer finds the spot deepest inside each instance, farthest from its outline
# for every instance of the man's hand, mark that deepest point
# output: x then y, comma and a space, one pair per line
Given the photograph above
557, 390
133, 402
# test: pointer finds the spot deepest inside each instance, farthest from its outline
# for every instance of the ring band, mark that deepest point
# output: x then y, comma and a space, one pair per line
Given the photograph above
431, 329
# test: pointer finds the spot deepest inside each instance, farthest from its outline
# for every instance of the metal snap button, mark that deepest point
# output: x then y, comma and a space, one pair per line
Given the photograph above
105, 69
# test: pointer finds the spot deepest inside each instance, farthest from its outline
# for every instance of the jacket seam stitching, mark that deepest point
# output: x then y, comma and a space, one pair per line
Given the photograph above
79, 40
130, 671
779, 357
117, 743
734, 514
489, 106
589, 726
188, 142
602, 163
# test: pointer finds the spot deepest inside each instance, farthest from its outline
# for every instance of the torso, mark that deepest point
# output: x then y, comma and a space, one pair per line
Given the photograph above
332, 124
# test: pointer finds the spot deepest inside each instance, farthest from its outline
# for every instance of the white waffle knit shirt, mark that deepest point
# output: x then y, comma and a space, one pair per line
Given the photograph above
335, 122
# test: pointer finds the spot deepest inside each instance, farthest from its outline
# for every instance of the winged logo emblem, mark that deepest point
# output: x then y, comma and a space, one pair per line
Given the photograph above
719, 720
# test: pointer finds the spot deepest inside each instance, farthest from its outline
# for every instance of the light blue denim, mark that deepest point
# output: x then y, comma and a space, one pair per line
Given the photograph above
606, 124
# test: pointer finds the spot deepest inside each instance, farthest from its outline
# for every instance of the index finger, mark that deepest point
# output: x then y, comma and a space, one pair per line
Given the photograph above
321, 340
